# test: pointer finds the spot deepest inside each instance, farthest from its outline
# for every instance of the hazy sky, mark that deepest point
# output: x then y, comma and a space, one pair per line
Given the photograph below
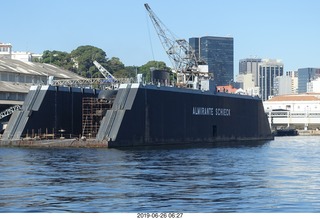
281, 29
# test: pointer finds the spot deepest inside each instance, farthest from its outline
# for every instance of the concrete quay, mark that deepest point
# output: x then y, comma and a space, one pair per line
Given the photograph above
59, 143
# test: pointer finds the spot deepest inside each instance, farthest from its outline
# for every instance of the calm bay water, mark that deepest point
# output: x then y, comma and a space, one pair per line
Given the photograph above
277, 176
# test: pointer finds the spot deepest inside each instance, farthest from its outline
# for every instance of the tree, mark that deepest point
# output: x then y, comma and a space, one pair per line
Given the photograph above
84, 57
114, 65
126, 72
81, 60
58, 58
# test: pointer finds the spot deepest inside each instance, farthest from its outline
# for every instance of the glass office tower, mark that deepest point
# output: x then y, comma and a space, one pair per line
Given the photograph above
217, 52
306, 75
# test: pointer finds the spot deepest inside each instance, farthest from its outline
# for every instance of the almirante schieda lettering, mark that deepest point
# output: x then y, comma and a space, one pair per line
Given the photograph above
210, 111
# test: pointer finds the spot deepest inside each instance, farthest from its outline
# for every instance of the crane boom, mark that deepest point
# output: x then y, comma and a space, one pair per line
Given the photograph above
104, 71
181, 54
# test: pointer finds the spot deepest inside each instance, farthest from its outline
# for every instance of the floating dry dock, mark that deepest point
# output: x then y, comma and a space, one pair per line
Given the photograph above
134, 115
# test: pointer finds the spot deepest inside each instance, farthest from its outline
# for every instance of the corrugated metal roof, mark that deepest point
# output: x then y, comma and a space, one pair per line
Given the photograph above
10, 102
299, 97
14, 87
34, 68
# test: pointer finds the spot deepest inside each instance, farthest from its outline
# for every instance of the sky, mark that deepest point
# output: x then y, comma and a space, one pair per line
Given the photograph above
277, 29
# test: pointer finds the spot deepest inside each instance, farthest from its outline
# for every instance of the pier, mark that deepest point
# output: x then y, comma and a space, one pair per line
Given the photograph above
299, 120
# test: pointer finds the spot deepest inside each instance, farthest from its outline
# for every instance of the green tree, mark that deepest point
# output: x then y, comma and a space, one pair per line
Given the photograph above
84, 57
126, 72
58, 58
81, 60
114, 64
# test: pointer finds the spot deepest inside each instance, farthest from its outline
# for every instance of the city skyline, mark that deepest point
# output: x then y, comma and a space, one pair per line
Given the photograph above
283, 30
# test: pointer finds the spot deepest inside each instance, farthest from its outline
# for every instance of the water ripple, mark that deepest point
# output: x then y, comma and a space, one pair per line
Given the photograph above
278, 176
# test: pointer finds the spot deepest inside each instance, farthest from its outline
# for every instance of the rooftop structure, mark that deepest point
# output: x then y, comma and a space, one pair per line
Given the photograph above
227, 89
5, 50
25, 69
299, 97
16, 77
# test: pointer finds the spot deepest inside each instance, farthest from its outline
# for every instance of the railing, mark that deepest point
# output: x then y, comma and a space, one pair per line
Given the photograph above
294, 118
288, 114
9, 111
90, 81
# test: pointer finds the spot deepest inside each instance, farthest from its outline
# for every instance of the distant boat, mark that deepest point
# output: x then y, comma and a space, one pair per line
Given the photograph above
286, 132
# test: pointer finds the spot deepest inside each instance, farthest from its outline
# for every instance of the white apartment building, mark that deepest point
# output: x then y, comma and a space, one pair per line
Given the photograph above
5, 50
294, 81
282, 85
7, 53
247, 83
313, 86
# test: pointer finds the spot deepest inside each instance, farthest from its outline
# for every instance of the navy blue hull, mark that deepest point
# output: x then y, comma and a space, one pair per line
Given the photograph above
141, 115
49, 111
164, 115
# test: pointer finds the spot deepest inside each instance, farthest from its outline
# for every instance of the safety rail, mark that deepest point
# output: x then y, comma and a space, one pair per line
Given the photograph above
90, 81
9, 111
304, 119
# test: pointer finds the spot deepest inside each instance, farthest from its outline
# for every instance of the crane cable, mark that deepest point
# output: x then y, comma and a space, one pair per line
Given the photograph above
149, 34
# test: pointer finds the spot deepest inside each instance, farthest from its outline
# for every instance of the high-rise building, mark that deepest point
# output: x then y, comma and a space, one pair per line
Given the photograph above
217, 52
250, 66
269, 69
282, 85
306, 75
294, 81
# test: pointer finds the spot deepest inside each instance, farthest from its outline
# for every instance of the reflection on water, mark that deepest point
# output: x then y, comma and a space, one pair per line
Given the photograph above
276, 176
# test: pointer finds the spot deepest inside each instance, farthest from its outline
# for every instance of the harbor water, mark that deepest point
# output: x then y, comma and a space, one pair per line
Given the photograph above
276, 176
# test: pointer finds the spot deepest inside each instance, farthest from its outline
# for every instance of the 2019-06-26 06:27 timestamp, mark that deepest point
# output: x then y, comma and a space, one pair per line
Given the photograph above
159, 215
